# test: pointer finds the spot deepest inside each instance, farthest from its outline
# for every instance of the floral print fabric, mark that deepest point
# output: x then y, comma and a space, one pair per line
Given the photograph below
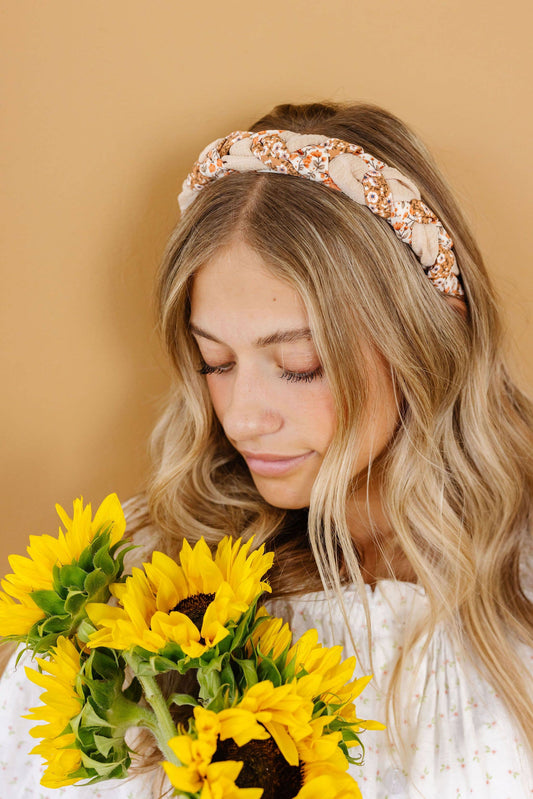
462, 744
342, 166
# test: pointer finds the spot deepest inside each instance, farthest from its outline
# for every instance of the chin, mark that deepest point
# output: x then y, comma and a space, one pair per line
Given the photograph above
280, 494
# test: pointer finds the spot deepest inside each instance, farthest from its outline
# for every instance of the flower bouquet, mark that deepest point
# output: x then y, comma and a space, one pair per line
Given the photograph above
268, 717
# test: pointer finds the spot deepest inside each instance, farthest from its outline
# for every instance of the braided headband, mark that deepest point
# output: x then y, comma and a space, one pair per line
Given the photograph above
342, 166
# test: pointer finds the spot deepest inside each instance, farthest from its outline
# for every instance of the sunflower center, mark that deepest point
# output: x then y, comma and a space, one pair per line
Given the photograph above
264, 767
195, 607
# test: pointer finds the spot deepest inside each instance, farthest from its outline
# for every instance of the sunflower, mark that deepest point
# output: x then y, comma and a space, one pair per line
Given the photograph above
284, 713
218, 762
271, 638
32, 592
324, 765
314, 660
199, 772
62, 703
333, 785
189, 604
320, 676
321, 673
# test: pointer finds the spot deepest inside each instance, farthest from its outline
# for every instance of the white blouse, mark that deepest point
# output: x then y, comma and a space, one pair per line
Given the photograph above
465, 744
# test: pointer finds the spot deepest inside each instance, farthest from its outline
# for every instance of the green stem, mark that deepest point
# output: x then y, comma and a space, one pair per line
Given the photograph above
165, 728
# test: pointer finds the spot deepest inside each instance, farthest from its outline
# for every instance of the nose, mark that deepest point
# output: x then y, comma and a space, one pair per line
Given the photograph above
250, 412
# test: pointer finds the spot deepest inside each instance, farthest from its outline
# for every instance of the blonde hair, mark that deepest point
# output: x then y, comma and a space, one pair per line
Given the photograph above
456, 477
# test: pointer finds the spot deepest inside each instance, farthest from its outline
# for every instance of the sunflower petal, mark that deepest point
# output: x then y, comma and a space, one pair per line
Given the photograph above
110, 512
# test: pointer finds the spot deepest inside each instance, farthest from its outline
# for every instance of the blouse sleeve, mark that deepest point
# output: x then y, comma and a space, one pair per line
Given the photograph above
21, 772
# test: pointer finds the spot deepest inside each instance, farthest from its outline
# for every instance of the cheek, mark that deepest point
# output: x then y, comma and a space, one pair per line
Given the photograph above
316, 409
216, 392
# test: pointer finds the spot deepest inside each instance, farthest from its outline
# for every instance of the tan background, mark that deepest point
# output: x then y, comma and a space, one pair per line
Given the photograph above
107, 103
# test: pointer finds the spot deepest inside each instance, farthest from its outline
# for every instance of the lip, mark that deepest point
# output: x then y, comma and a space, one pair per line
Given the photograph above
270, 465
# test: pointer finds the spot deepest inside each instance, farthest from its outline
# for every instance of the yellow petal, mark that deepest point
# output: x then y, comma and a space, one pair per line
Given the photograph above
207, 723
284, 742
183, 778
17, 619
100, 613
241, 725
181, 745
110, 511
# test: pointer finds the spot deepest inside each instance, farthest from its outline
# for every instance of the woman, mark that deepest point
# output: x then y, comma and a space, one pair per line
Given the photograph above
341, 392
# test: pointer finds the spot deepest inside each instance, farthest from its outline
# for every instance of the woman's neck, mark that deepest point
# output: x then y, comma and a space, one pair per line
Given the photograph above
375, 540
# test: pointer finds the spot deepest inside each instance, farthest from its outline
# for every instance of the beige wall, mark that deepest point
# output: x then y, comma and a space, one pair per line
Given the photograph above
109, 101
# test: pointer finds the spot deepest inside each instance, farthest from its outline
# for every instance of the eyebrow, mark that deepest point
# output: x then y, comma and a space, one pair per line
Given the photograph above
279, 337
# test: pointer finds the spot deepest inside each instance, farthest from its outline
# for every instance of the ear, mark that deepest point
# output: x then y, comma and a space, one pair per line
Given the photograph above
458, 303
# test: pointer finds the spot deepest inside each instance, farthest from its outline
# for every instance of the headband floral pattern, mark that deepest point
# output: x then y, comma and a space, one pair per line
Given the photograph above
342, 166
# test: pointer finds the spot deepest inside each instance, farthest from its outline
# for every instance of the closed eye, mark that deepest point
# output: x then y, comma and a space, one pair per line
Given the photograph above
205, 369
306, 377
292, 377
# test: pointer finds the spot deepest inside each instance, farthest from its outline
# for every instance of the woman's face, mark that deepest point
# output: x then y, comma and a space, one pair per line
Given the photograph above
265, 378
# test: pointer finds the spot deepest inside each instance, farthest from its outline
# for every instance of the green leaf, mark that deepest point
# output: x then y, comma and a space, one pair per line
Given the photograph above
219, 700
55, 576
80, 774
44, 644
104, 663
102, 692
119, 557
209, 682
91, 718
162, 664
102, 560
182, 699
357, 761
71, 576
173, 652
75, 722
101, 769
105, 529
227, 677
55, 625
242, 630
94, 581
154, 666
74, 602
349, 735
289, 669
105, 745
100, 540
249, 671
48, 601
319, 708
20, 654
119, 773
267, 670
217, 663
84, 630
85, 736
85, 560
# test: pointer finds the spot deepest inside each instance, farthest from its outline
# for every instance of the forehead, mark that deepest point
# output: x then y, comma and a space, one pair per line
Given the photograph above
236, 291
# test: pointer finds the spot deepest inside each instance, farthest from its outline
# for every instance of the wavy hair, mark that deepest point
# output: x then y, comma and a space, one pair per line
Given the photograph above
456, 478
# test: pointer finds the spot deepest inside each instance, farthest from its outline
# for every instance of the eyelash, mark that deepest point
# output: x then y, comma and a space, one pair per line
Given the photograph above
292, 377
